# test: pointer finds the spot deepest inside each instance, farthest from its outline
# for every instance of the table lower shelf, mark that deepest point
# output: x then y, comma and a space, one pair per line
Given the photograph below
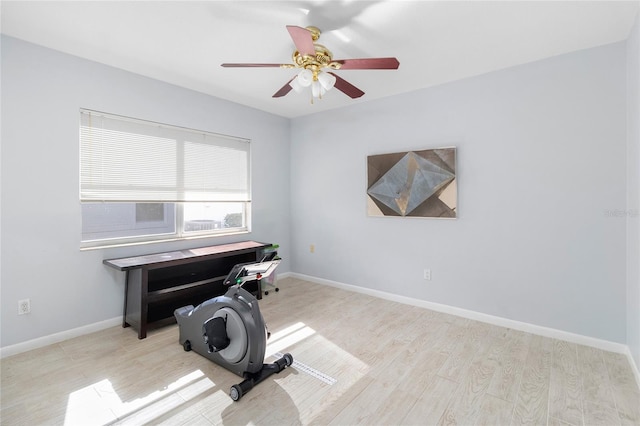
160, 305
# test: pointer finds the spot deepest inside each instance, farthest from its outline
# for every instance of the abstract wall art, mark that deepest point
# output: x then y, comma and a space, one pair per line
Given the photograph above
413, 184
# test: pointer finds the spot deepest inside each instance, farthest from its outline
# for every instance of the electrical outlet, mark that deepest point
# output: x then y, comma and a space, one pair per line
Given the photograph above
24, 306
427, 274
312, 248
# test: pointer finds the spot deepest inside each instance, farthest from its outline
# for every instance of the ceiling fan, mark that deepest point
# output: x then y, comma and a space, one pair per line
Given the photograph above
315, 61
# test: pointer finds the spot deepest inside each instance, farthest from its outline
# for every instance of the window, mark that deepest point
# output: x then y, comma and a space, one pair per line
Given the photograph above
143, 181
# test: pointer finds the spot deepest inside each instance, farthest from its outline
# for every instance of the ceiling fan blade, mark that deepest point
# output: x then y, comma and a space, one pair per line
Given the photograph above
302, 39
346, 87
284, 89
369, 64
251, 65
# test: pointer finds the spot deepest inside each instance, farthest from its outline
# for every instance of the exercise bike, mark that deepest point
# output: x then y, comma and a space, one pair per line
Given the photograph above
230, 330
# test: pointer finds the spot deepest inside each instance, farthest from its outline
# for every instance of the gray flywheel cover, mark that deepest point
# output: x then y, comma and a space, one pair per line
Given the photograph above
237, 335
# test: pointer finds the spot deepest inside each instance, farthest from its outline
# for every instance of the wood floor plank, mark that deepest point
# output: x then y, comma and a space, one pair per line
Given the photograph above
533, 394
600, 414
506, 379
37, 411
422, 371
432, 403
474, 382
459, 359
620, 372
628, 404
494, 411
341, 401
565, 387
31, 364
63, 380
456, 331
311, 395
394, 408
184, 418
363, 408
390, 364
211, 404
553, 421
596, 386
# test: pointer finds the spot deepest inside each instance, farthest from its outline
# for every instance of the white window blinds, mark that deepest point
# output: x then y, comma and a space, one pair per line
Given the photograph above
124, 159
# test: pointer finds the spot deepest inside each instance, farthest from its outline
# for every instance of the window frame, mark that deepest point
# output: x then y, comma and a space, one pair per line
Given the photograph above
179, 206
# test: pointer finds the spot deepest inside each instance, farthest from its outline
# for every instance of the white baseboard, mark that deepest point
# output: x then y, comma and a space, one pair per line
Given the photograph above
58, 337
284, 275
634, 366
490, 319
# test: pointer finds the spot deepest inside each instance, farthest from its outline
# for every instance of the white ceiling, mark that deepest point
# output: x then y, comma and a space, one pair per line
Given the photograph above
184, 42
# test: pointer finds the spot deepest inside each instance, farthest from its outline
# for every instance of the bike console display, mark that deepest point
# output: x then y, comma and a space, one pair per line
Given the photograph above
242, 273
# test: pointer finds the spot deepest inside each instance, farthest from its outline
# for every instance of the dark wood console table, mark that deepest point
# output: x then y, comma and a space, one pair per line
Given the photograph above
157, 284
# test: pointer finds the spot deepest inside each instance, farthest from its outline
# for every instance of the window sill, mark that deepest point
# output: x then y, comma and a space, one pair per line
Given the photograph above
100, 245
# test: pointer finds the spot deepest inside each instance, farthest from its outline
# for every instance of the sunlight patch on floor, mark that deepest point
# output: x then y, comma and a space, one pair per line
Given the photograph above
288, 337
321, 367
99, 404
324, 373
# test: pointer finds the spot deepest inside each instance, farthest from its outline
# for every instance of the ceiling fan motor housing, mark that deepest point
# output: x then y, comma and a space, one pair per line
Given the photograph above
322, 58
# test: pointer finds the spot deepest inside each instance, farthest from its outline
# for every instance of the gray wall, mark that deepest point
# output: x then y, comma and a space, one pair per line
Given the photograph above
42, 92
542, 151
541, 159
633, 190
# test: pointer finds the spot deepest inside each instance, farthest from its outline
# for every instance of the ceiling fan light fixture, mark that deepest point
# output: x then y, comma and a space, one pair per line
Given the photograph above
305, 77
326, 80
295, 85
319, 81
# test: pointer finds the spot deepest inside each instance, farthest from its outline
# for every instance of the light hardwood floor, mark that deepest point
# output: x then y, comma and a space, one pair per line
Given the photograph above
358, 360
